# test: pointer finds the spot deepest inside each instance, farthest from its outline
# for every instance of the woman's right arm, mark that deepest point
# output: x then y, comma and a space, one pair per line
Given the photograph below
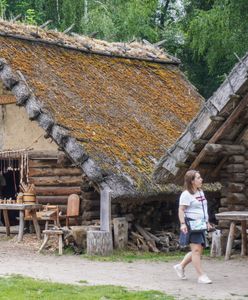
183, 226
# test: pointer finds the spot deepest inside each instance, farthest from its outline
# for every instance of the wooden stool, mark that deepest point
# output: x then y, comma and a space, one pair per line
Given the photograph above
48, 233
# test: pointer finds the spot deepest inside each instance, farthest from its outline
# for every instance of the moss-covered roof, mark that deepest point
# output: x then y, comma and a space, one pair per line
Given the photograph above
124, 112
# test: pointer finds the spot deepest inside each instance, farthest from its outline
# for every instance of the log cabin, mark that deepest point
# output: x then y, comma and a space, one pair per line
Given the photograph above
215, 142
110, 110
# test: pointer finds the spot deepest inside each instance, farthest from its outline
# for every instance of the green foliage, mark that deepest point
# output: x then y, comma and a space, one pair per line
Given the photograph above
22, 288
3, 6
30, 16
204, 34
214, 33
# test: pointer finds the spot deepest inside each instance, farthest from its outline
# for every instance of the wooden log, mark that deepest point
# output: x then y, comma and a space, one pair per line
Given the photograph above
99, 243
236, 168
236, 207
236, 198
230, 240
227, 149
57, 190
223, 209
120, 233
237, 159
236, 187
39, 172
200, 142
45, 164
218, 119
43, 154
56, 181
150, 242
52, 199
238, 177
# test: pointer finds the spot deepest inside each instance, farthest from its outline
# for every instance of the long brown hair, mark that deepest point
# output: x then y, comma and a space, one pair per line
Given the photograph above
188, 178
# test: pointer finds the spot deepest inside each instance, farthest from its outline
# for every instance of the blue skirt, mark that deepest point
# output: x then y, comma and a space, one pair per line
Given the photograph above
192, 238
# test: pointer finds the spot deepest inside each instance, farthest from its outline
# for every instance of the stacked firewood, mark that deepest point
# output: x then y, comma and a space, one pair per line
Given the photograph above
159, 241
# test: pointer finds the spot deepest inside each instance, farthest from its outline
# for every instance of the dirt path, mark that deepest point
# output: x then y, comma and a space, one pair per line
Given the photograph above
230, 278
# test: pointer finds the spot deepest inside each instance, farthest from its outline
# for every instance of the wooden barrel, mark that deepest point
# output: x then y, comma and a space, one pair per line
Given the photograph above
29, 198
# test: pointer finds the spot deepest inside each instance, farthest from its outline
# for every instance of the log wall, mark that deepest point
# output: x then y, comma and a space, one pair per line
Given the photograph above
234, 194
55, 182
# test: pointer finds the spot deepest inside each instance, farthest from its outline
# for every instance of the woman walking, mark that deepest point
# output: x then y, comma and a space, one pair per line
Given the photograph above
192, 206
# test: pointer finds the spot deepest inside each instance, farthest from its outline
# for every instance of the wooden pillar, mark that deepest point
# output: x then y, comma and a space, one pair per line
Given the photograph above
105, 209
101, 242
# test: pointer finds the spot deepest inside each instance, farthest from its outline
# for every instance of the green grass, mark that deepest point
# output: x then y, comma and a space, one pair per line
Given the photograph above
131, 256
23, 288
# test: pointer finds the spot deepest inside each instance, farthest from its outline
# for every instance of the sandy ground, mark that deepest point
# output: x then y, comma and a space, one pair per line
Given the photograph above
230, 279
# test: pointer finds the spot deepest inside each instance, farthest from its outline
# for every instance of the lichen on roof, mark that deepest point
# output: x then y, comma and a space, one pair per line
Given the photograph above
124, 112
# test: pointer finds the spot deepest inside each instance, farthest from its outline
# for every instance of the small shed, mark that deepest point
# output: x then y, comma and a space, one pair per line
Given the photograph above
111, 109
216, 143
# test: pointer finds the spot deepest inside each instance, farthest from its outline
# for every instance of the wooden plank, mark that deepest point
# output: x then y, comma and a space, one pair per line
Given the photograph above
52, 199
105, 209
57, 190
39, 172
56, 181
223, 128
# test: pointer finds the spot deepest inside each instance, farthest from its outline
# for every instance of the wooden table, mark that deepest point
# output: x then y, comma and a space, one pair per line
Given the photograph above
235, 217
21, 207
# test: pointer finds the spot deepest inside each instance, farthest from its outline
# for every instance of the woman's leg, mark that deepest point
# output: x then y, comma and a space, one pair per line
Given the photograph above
186, 260
196, 250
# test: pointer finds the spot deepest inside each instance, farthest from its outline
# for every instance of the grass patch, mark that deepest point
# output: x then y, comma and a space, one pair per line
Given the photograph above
131, 256
23, 288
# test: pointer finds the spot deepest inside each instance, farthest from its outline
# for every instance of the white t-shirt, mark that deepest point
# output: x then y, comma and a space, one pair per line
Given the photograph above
193, 203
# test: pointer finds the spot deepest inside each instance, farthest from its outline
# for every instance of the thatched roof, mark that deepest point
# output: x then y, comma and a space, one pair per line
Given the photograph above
222, 121
112, 115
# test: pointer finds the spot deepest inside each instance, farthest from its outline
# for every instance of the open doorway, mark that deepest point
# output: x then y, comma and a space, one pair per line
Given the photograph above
9, 185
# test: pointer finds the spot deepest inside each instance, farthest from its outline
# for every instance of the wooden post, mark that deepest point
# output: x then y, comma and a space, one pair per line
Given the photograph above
105, 209
244, 238
230, 240
120, 233
21, 225
101, 242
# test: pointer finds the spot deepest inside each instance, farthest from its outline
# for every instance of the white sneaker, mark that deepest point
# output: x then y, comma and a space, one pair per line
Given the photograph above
180, 271
204, 279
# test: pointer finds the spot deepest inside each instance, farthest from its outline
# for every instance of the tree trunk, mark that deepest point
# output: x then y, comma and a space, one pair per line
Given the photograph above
99, 243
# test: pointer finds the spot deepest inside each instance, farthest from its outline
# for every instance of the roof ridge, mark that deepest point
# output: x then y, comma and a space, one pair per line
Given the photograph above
132, 50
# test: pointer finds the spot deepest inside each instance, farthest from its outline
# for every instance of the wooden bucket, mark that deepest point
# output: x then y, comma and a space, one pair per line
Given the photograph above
29, 198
